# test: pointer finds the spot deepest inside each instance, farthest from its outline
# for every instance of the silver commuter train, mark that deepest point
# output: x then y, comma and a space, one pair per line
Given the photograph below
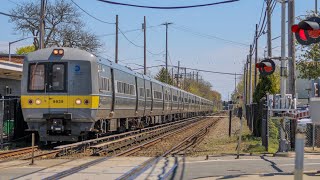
68, 94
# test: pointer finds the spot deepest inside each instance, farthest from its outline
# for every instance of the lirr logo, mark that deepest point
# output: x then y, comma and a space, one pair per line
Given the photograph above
76, 68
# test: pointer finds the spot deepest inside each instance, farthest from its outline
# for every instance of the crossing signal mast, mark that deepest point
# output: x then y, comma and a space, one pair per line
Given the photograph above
307, 31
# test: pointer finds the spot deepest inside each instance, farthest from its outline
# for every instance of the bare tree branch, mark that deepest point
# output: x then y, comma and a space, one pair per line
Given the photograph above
63, 26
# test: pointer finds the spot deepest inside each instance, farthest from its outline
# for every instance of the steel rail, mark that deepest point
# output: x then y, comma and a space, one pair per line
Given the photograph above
16, 152
134, 173
86, 165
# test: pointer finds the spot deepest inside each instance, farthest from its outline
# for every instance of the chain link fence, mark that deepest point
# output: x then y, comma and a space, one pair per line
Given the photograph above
312, 135
12, 124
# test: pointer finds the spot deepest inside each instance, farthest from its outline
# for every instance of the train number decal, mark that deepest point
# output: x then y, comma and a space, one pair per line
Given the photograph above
58, 101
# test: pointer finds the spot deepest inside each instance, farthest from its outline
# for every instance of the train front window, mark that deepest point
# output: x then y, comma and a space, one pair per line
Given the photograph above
47, 77
37, 77
58, 77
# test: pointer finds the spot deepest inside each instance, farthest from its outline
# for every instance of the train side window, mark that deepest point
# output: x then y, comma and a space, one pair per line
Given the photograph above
104, 84
141, 91
132, 90
37, 77
175, 98
157, 95
148, 93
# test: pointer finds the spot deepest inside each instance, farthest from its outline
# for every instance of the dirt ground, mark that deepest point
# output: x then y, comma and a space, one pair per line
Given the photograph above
218, 142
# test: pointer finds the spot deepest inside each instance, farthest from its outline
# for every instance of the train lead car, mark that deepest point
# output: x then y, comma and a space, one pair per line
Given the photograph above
69, 94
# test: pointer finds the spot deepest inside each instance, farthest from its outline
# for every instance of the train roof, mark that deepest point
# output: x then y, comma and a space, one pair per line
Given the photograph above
69, 54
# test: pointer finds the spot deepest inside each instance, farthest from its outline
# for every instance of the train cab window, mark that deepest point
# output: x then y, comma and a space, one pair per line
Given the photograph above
37, 77
58, 77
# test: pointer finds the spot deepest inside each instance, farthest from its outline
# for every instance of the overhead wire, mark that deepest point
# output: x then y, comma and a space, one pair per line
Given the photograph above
127, 31
131, 42
90, 14
194, 69
203, 35
168, 7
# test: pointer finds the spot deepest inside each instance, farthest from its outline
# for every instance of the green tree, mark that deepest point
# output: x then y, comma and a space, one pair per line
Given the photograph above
162, 76
25, 49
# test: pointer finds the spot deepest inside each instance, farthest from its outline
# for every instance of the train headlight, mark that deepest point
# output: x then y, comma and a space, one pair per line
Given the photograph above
38, 101
78, 101
61, 51
58, 52
55, 51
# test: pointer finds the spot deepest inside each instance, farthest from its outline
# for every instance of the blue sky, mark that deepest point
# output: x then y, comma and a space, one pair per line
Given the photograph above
234, 21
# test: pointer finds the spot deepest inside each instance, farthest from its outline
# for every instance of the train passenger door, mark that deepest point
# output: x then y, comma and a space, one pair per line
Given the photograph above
113, 91
57, 83
151, 95
137, 93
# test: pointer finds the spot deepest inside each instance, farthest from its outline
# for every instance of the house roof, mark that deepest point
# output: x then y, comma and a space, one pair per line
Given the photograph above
15, 58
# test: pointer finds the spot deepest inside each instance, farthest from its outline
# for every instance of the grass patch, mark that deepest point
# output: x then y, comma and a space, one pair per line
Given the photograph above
254, 144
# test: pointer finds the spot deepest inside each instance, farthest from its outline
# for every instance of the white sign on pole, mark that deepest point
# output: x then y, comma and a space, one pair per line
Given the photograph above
315, 109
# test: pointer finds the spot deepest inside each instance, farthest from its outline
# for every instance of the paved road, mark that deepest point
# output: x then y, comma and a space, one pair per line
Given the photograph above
225, 167
228, 167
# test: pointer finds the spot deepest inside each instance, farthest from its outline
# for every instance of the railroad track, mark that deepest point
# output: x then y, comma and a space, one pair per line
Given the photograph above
187, 142
17, 152
115, 142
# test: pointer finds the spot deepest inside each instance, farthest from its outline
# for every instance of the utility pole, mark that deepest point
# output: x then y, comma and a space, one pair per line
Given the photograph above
283, 74
269, 28
42, 18
246, 78
292, 63
235, 83
245, 85
316, 7
256, 58
172, 76
197, 76
117, 33
145, 45
178, 76
185, 77
291, 49
250, 75
167, 24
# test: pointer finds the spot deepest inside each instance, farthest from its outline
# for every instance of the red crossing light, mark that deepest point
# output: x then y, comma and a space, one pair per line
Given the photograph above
307, 31
266, 67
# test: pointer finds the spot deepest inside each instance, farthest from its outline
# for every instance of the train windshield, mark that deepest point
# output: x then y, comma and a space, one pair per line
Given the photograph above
58, 77
49, 77
37, 77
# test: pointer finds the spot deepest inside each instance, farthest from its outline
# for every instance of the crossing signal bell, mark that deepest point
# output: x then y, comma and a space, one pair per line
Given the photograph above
307, 31
266, 67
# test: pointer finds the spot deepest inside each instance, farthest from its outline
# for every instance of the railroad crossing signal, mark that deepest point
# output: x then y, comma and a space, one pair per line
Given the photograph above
266, 67
307, 31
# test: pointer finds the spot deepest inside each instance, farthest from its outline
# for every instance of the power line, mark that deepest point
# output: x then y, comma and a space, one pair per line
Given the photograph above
19, 17
200, 70
127, 31
261, 14
136, 44
90, 14
167, 7
185, 29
